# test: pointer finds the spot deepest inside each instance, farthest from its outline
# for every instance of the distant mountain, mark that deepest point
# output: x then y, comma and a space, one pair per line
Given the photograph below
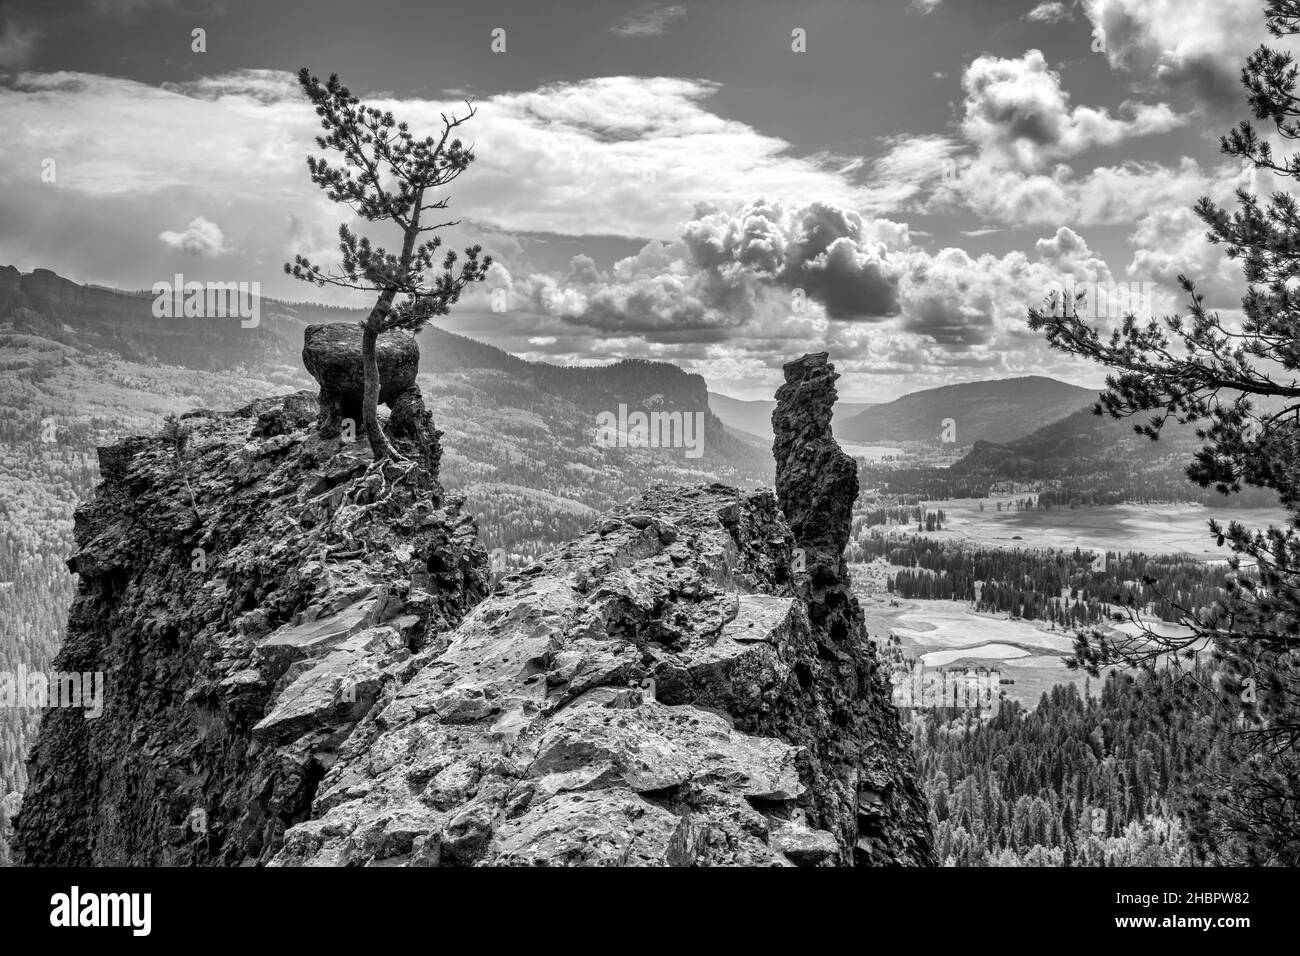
755, 417
522, 438
1078, 443
998, 411
1100, 460
98, 320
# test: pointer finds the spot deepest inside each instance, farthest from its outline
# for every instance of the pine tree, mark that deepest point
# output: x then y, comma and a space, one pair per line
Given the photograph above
386, 175
1239, 388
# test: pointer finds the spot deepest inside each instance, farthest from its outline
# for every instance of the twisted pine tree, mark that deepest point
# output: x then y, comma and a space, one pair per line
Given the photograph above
386, 173
1237, 384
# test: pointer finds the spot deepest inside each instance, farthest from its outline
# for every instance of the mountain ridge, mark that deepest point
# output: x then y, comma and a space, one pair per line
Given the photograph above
988, 410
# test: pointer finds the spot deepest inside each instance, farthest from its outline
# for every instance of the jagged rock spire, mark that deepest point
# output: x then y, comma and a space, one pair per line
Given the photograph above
816, 482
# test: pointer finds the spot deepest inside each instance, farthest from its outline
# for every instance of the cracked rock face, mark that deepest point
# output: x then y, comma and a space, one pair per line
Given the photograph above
653, 693
242, 633
671, 688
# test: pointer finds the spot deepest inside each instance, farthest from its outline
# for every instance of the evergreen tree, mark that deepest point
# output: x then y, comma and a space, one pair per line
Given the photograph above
1238, 385
386, 175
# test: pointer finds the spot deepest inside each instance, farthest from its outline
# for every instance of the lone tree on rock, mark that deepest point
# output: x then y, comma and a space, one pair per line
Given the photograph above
387, 174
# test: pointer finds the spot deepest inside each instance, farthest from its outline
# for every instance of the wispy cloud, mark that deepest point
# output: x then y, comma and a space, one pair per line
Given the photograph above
1050, 11
16, 43
652, 20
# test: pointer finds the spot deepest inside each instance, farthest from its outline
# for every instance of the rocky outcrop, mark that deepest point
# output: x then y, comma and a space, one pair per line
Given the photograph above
653, 693
673, 687
661, 691
247, 589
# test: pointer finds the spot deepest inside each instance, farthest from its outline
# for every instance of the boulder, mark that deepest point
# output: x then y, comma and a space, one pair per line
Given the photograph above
332, 354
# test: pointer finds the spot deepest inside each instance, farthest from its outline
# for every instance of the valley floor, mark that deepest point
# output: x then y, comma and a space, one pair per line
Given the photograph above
1029, 654
1152, 528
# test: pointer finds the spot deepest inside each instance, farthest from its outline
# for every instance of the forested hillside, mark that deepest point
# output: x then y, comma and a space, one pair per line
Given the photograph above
520, 448
1077, 781
1082, 459
755, 417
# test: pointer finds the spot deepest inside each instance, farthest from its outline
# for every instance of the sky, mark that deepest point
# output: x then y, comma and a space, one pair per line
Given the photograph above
722, 184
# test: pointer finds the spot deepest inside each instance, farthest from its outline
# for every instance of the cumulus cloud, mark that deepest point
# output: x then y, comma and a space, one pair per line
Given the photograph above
1067, 246
633, 163
728, 268
1172, 241
1016, 107
717, 299
959, 302
202, 237
1105, 196
1196, 47
1020, 134
833, 254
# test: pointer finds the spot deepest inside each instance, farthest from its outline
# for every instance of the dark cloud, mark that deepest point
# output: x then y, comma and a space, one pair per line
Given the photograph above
826, 251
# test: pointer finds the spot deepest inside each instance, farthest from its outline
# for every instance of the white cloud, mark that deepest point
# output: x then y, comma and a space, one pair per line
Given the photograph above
201, 237
626, 156
1019, 129
1017, 107
726, 270
1050, 11
718, 300
639, 158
